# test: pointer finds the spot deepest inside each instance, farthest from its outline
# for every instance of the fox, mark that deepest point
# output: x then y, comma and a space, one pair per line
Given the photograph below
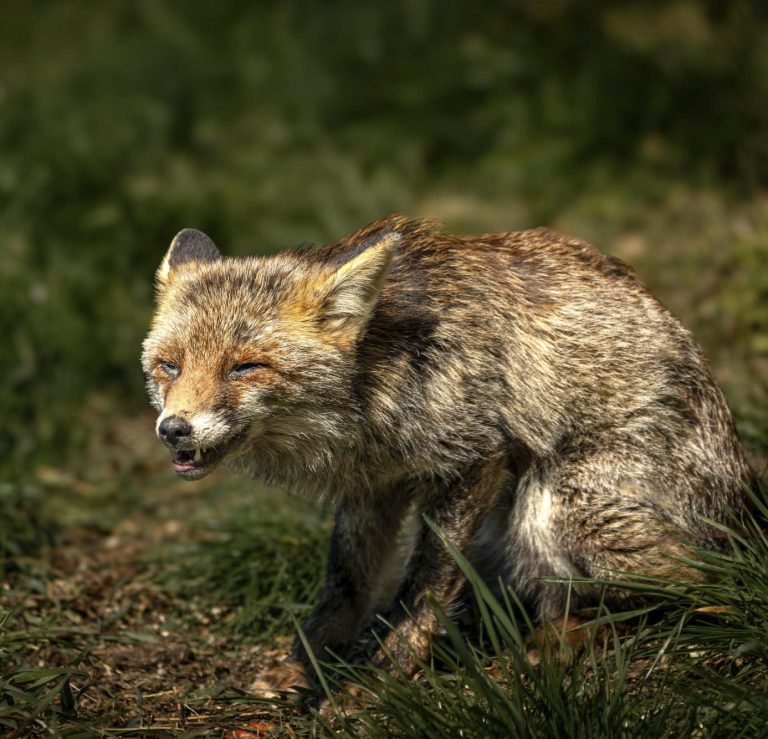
520, 393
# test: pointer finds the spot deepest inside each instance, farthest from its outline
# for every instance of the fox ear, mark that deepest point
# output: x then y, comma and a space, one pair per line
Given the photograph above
189, 245
350, 292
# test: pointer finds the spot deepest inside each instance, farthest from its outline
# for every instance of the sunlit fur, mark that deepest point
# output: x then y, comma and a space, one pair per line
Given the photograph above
521, 389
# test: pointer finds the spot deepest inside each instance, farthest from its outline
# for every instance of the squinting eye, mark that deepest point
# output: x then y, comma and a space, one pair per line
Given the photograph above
245, 368
170, 368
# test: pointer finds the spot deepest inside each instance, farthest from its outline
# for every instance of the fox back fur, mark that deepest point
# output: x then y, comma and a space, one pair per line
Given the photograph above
525, 392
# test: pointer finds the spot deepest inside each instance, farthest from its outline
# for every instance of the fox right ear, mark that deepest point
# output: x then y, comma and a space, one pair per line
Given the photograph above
189, 245
349, 293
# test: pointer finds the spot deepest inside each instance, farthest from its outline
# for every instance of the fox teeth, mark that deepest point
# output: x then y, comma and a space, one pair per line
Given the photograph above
198, 454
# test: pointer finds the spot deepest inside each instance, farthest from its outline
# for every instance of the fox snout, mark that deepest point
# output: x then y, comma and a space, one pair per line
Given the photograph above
198, 443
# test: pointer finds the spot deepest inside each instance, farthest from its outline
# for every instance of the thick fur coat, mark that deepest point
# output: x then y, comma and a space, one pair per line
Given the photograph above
523, 391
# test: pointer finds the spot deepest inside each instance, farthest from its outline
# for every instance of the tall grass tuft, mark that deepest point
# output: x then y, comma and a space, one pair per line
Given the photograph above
693, 663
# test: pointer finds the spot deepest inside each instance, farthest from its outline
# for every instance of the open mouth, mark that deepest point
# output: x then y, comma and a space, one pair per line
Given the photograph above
197, 462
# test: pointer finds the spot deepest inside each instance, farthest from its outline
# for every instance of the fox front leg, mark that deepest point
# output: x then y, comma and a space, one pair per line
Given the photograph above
364, 531
365, 528
458, 510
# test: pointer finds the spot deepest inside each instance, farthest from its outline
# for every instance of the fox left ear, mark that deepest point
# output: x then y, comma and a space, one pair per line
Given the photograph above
350, 292
189, 245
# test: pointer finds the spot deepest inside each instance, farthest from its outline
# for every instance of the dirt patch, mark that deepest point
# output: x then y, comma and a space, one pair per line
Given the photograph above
154, 662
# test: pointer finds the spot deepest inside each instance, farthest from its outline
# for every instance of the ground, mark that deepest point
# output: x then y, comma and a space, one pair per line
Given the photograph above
146, 656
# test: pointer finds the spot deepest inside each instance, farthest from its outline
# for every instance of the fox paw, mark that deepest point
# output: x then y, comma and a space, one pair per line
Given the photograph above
564, 639
284, 677
347, 701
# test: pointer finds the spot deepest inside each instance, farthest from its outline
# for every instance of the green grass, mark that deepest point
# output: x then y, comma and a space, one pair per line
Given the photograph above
25, 526
261, 567
205, 582
236, 570
683, 669
39, 700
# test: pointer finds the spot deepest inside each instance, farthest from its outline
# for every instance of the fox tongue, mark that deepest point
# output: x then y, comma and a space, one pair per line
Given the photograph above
184, 460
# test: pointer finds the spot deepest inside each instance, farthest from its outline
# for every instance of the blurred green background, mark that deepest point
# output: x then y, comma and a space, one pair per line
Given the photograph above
642, 126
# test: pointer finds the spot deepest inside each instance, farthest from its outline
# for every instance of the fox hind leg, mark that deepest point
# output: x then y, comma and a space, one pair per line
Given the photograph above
458, 510
589, 518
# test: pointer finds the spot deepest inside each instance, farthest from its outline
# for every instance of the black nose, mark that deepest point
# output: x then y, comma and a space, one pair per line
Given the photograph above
173, 429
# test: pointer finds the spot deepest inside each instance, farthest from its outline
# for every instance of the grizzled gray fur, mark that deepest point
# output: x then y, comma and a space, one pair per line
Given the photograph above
523, 391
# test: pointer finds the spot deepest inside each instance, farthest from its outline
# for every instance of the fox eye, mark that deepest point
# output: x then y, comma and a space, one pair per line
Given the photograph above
245, 368
170, 368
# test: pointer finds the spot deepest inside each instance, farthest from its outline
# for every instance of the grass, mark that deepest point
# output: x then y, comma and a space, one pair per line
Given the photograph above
695, 662
155, 624
24, 525
138, 623
41, 699
260, 570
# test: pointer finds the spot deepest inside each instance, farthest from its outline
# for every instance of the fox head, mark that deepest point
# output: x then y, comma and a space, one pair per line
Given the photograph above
256, 352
